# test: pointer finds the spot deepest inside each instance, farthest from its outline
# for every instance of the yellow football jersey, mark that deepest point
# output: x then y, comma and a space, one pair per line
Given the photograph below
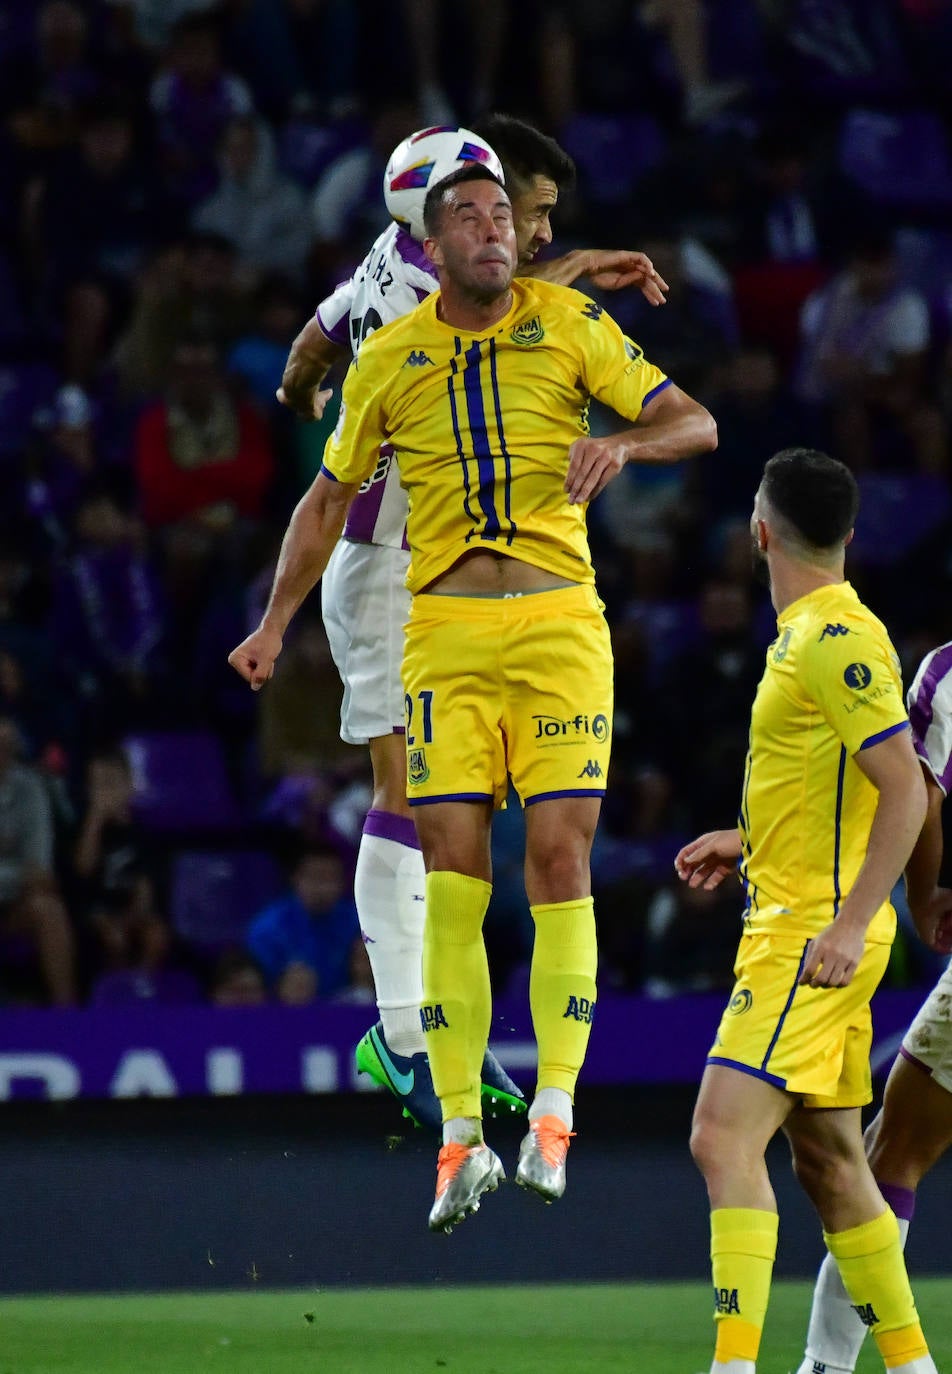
482, 424
832, 688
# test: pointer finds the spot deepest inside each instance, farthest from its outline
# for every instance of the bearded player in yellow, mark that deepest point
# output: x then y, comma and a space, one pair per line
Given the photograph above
831, 806
483, 391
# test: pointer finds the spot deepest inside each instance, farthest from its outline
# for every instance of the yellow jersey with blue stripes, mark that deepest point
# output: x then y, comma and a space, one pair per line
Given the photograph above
481, 424
832, 687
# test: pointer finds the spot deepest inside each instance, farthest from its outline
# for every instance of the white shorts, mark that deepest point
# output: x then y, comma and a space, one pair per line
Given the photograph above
929, 1039
366, 604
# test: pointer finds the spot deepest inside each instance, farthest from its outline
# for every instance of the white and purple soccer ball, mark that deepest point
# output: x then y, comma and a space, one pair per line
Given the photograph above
425, 158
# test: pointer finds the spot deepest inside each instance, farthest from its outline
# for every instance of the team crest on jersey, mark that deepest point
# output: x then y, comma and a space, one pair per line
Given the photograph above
528, 333
780, 653
634, 354
417, 767
740, 1002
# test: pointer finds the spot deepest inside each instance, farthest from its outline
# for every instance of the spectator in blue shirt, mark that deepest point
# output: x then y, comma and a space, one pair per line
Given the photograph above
302, 942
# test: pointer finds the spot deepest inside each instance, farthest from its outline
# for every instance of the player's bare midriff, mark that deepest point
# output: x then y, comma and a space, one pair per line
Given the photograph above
485, 573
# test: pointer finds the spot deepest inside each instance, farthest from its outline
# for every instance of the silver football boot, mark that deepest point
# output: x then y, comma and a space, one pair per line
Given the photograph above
464, 1173
542, 1157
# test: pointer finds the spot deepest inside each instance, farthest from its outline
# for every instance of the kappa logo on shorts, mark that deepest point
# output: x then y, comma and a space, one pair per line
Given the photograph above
740, 1002
864, 1310
418, 769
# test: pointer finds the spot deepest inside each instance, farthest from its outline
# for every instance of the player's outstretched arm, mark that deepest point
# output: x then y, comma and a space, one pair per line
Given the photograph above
709, 859
609, 269
671, 427
894, 770
311, 357
309, 540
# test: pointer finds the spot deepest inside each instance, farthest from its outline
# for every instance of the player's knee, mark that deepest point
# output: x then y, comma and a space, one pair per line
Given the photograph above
559, 868
825, 1174
710, 1146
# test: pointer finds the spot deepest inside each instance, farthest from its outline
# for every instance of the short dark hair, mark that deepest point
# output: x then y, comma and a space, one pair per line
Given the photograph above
433, 205
525, 152
815, 493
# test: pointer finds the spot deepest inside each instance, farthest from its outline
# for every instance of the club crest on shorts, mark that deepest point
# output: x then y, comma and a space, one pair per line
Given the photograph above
417, 767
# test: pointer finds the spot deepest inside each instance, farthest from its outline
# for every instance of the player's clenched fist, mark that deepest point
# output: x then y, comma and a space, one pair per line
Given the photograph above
254, 657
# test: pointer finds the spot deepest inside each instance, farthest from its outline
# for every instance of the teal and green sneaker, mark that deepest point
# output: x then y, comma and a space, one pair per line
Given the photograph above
408, 1077
501, 1097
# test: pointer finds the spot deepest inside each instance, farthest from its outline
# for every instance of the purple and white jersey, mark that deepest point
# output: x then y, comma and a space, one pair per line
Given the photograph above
393, 278
930, 714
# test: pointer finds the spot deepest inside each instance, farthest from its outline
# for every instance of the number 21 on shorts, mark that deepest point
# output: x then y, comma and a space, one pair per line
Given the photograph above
424, 721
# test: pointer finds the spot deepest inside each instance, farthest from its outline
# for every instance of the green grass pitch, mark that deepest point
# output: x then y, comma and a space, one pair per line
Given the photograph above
597, 1329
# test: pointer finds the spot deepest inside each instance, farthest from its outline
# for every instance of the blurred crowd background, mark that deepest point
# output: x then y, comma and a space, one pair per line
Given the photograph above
180, 183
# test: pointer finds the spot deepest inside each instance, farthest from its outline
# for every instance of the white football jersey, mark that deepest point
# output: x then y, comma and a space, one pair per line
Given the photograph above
930, 714
393, 279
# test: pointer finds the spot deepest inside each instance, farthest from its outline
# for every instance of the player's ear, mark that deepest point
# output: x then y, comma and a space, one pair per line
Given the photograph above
849, 538
433, 252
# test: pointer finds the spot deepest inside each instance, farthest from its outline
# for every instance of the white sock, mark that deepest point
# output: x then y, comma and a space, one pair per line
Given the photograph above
835, 1334
924, 1365
463, 1130
389, 889
552, 1102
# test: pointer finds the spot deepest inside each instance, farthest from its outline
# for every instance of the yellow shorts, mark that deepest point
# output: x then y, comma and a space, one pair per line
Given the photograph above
515, 686
813, 1042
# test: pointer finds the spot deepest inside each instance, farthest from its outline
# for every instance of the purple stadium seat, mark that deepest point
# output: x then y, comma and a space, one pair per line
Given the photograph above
898, 511
306, 149
169, 987
215, 894
612, 153
180, 782
899, 160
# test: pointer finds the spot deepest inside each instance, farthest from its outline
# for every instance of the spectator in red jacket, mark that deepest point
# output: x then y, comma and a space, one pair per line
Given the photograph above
199, 455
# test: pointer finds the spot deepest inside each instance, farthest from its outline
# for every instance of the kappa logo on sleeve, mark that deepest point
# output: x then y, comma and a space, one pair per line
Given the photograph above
833, 631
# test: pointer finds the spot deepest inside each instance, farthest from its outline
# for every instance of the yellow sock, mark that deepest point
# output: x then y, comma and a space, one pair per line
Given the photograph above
562, 988
873, 1270
457, 999
743, 1249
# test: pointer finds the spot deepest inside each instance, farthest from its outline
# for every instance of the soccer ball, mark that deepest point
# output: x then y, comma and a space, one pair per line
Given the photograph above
422, 160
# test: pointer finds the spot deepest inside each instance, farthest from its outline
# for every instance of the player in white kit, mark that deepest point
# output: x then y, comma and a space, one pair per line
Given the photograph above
364, 597
914, 1127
